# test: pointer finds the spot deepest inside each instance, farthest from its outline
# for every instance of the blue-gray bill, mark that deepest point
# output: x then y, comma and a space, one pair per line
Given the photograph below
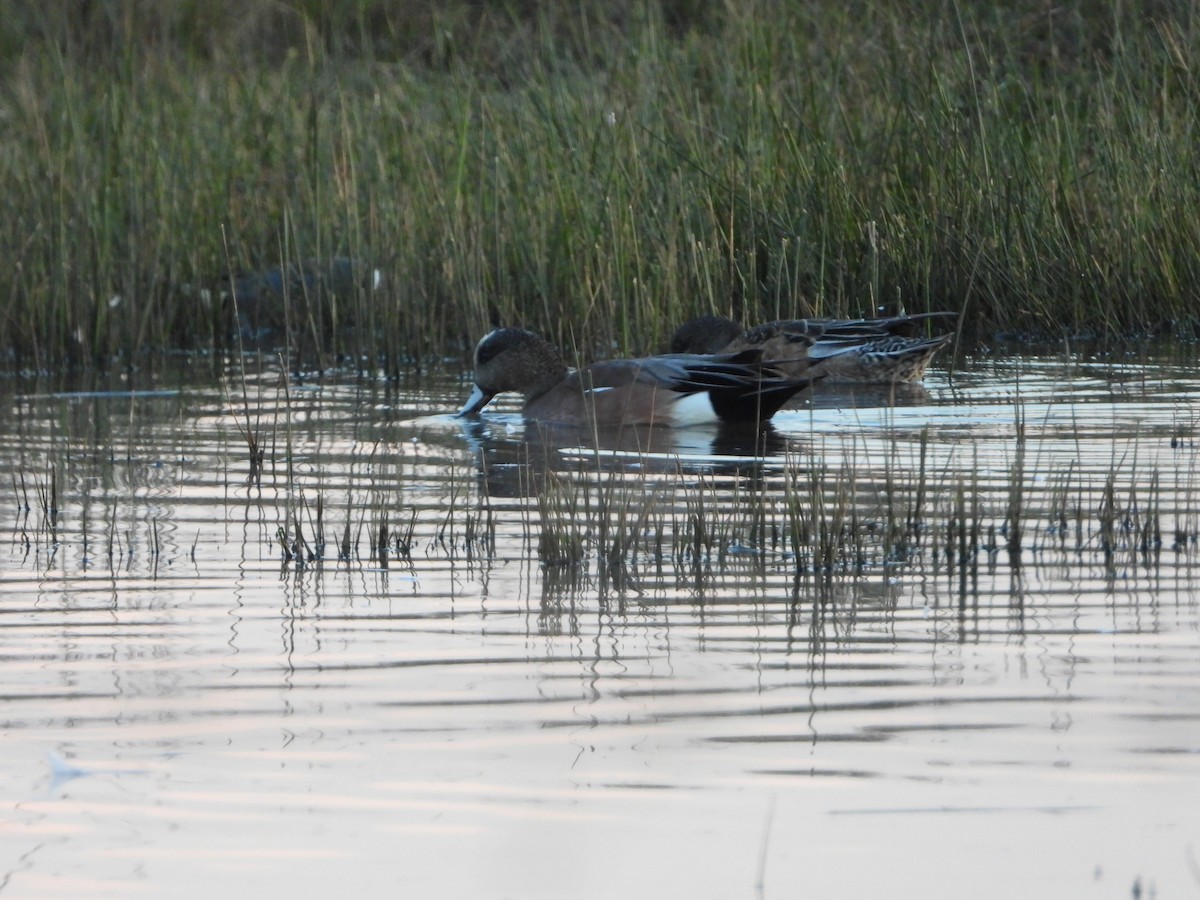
477, 401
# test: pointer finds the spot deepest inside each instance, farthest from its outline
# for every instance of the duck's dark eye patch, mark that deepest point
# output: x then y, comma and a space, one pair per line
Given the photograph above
487, 351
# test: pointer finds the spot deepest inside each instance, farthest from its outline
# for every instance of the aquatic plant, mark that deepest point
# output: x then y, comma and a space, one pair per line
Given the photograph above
599, 171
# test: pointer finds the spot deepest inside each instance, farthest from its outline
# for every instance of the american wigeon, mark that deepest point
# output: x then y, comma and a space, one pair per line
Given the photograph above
677, 390
843, 350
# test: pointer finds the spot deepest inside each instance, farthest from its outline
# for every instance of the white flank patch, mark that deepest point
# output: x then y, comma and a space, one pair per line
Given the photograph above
599, 390
693, 409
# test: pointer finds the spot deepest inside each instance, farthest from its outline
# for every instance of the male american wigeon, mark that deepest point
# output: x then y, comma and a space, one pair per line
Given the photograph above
678, 390
843, 350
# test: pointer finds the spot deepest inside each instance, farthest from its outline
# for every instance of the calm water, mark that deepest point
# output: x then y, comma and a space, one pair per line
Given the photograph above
632, 670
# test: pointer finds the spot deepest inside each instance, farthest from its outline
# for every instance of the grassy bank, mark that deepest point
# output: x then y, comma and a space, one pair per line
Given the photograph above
598, 175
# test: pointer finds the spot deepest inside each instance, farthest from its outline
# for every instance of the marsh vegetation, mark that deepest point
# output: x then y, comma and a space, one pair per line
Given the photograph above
237, 584
599, 173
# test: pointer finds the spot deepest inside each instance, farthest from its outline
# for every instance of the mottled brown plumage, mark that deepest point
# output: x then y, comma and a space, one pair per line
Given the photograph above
842, 350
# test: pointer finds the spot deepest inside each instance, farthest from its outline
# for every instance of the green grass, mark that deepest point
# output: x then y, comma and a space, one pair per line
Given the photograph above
599, 174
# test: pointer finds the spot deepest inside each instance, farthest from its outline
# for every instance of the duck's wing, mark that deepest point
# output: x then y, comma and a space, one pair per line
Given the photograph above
742, 387
692, 372
912, 326
670, 390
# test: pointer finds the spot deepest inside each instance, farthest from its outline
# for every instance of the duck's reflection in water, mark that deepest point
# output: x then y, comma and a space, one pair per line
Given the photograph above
514, 457
845, 395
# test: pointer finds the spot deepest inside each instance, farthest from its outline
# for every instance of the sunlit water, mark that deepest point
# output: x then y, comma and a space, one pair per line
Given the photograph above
601, 672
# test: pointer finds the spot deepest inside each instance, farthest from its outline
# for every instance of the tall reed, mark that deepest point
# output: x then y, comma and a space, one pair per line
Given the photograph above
599, 172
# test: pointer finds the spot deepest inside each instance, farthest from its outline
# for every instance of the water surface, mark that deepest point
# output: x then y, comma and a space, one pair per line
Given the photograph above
698, 664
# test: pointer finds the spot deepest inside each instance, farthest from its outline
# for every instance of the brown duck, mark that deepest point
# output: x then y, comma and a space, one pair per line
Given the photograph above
842, 350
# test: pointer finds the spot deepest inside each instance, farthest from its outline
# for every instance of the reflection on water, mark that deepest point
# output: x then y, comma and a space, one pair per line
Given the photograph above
513, 457
955, 629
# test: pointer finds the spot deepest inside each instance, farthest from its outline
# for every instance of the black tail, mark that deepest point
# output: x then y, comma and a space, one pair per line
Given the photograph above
756, 402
